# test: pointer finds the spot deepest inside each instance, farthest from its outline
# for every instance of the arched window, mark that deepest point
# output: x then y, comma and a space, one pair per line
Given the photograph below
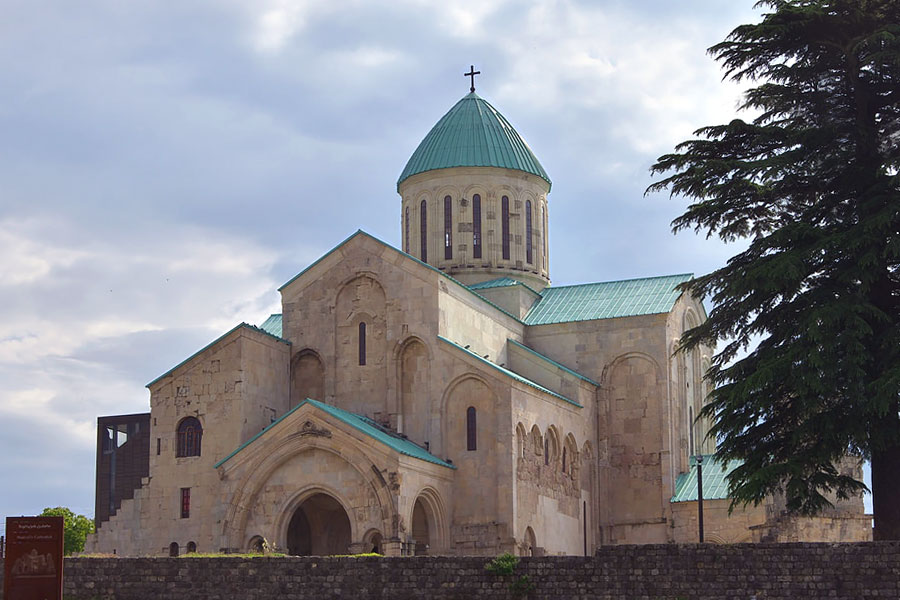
190, 433
471, 441
504, 226
362, 343
448, 228
406, 231
529, 255
191, 547
173, 549
476, 226
423, 231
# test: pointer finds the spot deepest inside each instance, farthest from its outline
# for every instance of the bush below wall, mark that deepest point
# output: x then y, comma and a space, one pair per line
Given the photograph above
655, 572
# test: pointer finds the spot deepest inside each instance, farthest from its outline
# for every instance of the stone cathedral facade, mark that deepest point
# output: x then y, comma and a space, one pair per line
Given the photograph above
437, 398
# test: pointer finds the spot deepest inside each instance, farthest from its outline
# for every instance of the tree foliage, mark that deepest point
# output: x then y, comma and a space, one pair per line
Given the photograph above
812, 182
75, 529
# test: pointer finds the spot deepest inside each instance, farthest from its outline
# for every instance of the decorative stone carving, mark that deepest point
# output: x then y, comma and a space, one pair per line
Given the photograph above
309, 428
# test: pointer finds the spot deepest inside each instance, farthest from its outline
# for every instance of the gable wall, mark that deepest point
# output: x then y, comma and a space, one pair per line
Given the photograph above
396, 298
627, 356
233, 389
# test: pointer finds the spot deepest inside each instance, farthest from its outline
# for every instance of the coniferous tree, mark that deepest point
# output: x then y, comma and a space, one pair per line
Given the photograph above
812, 183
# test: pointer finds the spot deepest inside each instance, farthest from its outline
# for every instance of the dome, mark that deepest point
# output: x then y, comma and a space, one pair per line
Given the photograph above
473, 134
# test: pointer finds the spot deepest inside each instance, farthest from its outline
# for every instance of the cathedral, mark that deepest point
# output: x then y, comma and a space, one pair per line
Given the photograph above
440, 397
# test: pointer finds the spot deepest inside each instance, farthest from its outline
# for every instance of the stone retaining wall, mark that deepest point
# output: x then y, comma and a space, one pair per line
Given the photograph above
655, 572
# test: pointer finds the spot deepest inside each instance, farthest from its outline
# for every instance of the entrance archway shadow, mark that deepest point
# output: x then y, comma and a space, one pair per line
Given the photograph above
319, 527
420, 529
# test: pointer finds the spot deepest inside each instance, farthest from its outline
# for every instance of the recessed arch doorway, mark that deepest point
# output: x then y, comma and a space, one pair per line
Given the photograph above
319, 527
420, 529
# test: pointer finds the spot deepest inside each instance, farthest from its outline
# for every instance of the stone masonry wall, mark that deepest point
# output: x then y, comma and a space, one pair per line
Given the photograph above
653, 572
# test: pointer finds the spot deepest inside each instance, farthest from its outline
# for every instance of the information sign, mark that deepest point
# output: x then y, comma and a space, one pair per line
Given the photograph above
33, 567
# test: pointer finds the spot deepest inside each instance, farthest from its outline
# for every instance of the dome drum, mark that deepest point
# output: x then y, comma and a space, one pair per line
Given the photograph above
466, 213
474, 199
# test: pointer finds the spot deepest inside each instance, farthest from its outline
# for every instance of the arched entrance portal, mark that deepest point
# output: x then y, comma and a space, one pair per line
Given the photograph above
320, 526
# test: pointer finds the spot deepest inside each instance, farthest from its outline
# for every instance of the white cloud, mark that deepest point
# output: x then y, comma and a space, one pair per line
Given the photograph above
166, 166
278, 22
27, 261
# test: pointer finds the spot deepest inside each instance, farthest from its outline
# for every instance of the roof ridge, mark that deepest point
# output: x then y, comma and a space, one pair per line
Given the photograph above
587, 283
346, 416
213, 343
407, 255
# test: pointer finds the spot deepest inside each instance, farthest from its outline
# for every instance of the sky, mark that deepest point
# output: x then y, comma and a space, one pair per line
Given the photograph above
166, 166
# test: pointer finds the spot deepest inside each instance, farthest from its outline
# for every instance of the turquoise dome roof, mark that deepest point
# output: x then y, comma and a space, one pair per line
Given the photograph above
473, 134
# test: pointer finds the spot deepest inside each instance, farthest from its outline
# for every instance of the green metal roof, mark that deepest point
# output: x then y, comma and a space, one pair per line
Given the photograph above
272, 325
494, 283
473, 134
501, 282
552, 362
607, 300
715, 486
509, 373
361, 424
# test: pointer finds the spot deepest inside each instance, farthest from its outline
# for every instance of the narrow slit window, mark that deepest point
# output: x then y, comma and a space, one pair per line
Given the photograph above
423, 231
529, 255
406, 231
476, 226
448, 228
564, 460
362, 343
185, 503
504, 226
544, 233
691, 430
547, 450
471, 438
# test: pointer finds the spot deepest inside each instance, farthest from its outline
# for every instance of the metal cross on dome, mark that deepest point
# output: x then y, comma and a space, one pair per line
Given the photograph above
472, 73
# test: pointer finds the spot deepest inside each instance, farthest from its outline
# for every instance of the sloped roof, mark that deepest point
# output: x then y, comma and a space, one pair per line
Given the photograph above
501, 282
551, 361
715, 486
606, 300
272, 325
494, 283
509, 373
360, 423
473, 134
